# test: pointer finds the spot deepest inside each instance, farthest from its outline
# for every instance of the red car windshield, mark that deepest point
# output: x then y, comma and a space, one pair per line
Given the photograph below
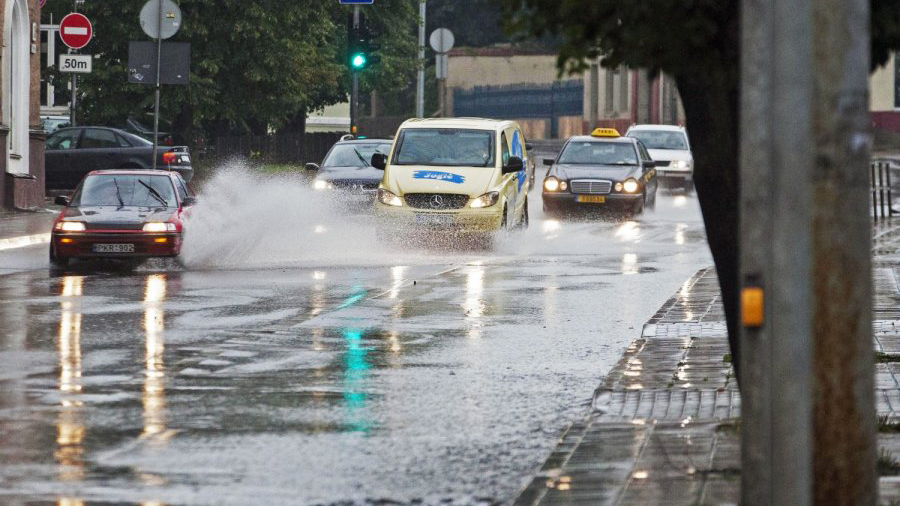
125, 190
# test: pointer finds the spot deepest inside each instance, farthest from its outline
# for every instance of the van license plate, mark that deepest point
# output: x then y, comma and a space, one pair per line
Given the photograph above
114, 248
434, 219
591, 199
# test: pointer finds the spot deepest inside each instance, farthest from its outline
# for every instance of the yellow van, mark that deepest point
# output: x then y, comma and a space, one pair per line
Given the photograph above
461, 174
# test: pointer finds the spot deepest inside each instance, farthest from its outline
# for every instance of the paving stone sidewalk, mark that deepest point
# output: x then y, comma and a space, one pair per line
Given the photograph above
663, 427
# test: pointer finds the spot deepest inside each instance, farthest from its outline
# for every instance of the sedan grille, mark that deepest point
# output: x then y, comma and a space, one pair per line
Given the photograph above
436, 200
591, 186
355, 185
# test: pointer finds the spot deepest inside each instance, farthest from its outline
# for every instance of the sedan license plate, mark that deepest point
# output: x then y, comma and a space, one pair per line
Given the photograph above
591, 199
114, 248
434, 219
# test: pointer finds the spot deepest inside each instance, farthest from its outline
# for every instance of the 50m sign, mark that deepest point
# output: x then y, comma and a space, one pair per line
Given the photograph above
79, 63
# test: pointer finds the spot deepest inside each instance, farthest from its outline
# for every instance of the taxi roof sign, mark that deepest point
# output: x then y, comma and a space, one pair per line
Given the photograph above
605, 132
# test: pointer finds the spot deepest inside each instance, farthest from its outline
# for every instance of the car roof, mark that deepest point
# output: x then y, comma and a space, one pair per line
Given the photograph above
367, 140
117, 130
590, 138
673, 128
471, 123
123, 172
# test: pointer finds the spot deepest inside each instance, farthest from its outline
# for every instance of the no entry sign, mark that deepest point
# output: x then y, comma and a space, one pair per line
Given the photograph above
75, 30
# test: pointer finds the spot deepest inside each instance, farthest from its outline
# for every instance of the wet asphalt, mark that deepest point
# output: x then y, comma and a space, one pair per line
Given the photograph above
349, 374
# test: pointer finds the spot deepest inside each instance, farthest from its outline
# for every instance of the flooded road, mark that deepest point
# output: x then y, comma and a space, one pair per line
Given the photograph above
304, 363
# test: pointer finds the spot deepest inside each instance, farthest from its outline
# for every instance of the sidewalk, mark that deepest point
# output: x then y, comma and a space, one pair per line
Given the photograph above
664, 425
24, 228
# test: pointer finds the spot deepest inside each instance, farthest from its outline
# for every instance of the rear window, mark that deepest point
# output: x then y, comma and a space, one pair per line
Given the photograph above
660, 139
125, 190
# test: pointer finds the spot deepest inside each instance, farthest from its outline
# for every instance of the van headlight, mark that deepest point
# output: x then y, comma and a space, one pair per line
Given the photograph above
389, 199
158, 226
630, 186
486, 200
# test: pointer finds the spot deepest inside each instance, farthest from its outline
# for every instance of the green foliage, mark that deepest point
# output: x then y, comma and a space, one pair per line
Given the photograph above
255, 65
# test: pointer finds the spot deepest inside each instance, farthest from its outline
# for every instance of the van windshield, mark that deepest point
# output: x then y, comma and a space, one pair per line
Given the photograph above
445, 147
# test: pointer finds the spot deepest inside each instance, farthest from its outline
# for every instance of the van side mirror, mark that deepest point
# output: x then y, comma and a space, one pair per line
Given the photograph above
379, 161
61, 201
515, 164
548, 161
312, 166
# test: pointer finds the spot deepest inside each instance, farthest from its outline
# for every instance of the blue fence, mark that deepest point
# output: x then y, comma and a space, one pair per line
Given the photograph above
520, 101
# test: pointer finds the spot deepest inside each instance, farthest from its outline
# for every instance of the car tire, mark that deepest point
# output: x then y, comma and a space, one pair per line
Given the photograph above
57, 262
525, 221
504, 223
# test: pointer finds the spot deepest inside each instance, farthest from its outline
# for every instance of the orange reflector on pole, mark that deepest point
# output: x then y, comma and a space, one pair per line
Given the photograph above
752, 306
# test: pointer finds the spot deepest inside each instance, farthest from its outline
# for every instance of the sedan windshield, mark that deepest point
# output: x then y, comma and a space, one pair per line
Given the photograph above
445, 147
353, 155
598, 153
660, 139
125, 190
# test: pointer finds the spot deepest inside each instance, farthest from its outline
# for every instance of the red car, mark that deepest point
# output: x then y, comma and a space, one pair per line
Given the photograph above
125, 214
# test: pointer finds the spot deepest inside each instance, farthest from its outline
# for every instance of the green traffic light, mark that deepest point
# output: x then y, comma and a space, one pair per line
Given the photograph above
358, 60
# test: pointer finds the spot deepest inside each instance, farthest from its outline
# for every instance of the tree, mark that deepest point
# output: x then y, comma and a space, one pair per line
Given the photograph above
256, 66
697, 43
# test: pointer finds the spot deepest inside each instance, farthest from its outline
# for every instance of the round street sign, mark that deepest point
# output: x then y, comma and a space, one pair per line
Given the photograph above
75, 30
441, 40
158, 28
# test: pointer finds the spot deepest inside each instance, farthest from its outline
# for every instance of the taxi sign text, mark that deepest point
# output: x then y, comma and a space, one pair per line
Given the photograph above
605, 132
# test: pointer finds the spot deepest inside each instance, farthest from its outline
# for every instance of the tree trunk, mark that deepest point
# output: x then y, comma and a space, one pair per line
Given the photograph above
711, 110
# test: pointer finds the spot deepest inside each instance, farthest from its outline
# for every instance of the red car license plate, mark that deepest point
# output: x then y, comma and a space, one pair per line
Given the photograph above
114, 248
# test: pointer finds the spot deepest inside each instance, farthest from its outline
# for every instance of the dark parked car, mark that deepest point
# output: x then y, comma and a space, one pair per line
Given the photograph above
70, 153
125, 214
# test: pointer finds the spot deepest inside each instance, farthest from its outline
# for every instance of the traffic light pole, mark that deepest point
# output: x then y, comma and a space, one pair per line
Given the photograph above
354, 94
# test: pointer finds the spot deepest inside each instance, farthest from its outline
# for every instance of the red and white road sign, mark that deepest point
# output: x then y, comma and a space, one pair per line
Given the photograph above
75, 30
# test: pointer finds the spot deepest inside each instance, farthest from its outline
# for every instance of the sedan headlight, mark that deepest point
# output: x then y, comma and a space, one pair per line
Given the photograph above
158, 226
70, 226
321, 184
486, 200
630, 186
551, 184
389, 199
680, 164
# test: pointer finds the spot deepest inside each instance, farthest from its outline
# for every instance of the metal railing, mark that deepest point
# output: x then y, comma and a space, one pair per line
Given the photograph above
880, 185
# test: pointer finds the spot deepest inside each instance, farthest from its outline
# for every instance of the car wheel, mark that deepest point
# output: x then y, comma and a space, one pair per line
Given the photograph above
523, 223
504, 223
57, 262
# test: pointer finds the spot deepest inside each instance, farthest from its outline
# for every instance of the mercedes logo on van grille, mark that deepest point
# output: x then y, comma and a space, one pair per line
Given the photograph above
437, 202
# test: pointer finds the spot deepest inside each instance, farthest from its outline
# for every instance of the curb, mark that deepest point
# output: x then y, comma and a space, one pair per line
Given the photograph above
23, 241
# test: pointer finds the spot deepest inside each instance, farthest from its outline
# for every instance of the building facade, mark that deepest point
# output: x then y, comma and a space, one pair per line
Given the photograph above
21, 135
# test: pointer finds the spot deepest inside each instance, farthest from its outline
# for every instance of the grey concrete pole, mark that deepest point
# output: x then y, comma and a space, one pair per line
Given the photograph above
420, 83
775, 170
593, 94
844, 436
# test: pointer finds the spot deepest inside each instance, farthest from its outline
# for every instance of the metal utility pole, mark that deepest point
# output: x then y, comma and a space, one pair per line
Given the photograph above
420, 83
354, 94
74, 99
844, 452
159, 21
776, 338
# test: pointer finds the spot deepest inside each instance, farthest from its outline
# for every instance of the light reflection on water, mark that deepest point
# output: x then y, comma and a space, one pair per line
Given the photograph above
70, 429
154, 394
355, 378
474, 304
